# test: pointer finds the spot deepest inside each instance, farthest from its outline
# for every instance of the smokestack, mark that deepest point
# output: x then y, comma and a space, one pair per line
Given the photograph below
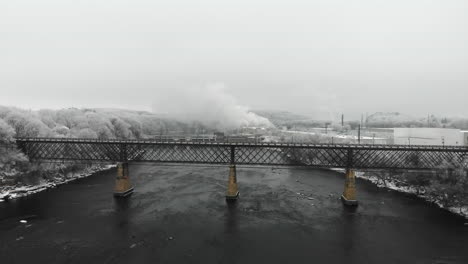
342, 120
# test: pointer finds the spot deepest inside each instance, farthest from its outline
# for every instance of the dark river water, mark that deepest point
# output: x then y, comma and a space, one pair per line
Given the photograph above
178, 215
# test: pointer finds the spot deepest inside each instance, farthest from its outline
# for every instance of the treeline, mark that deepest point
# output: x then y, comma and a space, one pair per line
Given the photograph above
391, 120
86, 123
447, 186
16, 169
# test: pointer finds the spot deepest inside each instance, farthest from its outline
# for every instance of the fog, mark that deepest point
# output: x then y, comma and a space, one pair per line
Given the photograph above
319, 58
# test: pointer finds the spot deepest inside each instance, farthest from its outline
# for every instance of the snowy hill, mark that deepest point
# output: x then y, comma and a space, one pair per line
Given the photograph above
394, 119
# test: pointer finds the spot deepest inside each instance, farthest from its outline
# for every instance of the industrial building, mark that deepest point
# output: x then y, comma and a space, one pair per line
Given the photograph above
429, 136
465, 137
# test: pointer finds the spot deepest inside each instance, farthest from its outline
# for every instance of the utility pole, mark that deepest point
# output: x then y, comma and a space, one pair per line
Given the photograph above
359, 134
294, 131
342, 120
367, 119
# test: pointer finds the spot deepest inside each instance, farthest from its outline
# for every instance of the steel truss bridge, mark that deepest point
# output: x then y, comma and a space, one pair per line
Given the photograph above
312, 155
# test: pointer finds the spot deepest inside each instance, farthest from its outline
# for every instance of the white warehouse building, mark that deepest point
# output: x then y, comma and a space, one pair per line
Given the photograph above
430, 136
465, 137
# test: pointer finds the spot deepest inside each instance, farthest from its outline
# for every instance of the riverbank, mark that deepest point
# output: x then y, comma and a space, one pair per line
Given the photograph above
18, 191
391, 185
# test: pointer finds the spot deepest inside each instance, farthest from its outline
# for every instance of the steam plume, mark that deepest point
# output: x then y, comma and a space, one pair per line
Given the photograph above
211, 105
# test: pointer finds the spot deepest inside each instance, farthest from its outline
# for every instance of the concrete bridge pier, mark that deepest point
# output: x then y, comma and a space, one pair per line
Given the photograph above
349, 194
123, 186
232, 191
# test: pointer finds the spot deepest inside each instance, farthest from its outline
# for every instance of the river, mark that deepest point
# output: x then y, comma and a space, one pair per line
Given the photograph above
178, 215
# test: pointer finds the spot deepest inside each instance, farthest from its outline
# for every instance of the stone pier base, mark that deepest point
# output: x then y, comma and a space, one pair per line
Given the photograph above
349, 194
123, 186
232, 190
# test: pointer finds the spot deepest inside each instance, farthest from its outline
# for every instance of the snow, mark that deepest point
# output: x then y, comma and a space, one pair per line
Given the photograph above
404, 189
15, 192
336, 136
463, 211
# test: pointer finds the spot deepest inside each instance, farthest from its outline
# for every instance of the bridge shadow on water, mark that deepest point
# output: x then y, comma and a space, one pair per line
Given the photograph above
231, 225
232, 235
123, 216
349, 230
122, 205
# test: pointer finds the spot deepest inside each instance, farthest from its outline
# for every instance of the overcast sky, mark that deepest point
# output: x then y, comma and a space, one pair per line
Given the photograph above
314, 57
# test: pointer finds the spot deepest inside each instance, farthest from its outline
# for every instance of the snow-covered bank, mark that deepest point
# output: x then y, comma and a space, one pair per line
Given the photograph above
14, 192
392, 185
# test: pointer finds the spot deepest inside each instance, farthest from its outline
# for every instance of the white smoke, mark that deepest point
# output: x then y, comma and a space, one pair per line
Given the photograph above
210, 105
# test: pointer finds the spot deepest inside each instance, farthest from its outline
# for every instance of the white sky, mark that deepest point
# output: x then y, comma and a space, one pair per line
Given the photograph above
316, 57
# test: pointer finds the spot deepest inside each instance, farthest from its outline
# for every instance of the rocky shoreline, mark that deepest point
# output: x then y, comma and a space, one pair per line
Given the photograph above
405, 189
463, 211
15, 192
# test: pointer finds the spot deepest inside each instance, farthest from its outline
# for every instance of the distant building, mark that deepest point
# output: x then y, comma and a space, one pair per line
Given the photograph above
428, 136
352, 139
465, 137
219, 136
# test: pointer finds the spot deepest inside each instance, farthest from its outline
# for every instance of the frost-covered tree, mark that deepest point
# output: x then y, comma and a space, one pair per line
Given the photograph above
136, 128
102, 126
70, 118
35, 128
61, 131
86, 133
121, 129
7, 132
47, 117
27, 124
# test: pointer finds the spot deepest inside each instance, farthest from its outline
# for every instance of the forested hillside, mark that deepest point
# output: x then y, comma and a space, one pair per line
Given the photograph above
85, 123
15, 168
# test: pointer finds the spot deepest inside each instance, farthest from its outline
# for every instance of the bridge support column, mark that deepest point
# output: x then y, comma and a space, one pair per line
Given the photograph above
349, 194
123, 187
232, 191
